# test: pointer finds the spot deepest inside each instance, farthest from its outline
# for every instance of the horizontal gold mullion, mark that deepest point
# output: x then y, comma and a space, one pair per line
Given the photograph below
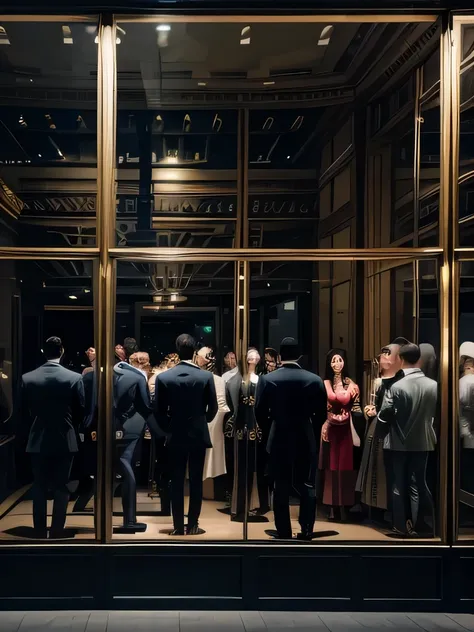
286, 18
247, 254
49, 18
72, 254
461, 254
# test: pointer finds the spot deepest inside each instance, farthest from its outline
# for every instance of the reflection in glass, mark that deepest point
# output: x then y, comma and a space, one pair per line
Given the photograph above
45, 447
177, 168
466, 101
466, 402
48, 134
156, 303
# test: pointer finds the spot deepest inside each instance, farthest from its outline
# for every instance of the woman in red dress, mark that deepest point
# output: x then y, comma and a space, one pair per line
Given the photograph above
338, 437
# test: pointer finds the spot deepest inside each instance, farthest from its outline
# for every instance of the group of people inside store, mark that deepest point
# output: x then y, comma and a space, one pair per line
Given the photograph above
277, 434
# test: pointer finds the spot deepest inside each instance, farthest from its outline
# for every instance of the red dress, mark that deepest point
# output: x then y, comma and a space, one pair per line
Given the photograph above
336, 456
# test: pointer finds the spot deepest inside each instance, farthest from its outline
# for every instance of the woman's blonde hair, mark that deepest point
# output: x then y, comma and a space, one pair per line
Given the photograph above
141, 360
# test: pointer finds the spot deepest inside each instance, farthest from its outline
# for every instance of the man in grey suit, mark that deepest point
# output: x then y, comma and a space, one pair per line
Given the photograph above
409, 408
53, 406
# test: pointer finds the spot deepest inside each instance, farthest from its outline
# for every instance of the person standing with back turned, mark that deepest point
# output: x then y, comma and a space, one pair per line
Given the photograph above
295, 402
185, 403
53, 407
409, 409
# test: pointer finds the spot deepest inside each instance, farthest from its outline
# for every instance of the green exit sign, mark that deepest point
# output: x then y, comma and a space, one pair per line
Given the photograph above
207, 329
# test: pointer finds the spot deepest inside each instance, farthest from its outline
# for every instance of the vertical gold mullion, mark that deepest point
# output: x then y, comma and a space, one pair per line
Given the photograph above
416, 157
447, 493
106, 123
456, 49
245, 178
416, 300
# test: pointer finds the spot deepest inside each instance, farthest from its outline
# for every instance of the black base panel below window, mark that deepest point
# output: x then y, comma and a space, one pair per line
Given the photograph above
238, 577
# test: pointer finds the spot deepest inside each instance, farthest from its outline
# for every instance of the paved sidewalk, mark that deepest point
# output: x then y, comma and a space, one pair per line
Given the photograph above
143, 621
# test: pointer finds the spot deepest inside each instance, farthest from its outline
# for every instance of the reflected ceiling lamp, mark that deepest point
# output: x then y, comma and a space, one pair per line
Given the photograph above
325, 36
163, 28
4, 39
245, 36
67, 34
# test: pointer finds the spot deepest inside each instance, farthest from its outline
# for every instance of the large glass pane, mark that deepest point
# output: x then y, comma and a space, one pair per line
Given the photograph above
466, 401
302, 160
466, 126
323, 439
48, 401
48, 133
163, 439
177, 164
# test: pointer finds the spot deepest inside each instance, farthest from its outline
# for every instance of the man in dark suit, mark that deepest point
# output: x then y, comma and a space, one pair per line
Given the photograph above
132, 408
295, 402
53, 400
409, 409
185, 403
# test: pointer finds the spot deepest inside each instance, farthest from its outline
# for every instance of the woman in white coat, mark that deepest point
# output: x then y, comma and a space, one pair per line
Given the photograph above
214, 464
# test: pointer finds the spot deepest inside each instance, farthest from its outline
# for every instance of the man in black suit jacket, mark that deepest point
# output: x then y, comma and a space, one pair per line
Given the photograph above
295, 402
53, 406
132, 411
185, 403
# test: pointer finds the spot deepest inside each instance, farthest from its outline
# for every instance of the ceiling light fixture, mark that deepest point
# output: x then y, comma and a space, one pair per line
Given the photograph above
325, 36
3, 36
245, 36
72, 297
202, 84
163, 27
268, 83
67, 35
86, 291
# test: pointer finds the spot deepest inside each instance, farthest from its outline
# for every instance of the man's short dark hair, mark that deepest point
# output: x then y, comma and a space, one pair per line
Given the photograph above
130, 345
410, 353
185, 346
53, 348
401, 341
289, 350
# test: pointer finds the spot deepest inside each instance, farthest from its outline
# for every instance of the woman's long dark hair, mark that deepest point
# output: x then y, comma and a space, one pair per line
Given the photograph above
329, 373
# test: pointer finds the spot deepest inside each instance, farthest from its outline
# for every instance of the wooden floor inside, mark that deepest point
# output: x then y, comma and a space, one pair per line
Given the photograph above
17, 524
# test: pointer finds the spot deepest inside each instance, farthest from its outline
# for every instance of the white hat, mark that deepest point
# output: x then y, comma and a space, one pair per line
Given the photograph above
467, 349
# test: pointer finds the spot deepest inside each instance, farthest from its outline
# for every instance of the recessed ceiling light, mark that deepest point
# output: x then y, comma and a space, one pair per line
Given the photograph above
245, 36
163, 27
325, 36
72, 297
67, 35
86, 291
268, 83
3, 36
202, 84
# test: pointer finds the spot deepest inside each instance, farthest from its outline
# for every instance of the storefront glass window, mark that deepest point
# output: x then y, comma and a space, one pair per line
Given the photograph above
48, 401
48, 134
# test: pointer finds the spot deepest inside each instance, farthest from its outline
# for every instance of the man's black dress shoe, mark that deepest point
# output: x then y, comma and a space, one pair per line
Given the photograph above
177, 532
273, 533
132, 527
194, 530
